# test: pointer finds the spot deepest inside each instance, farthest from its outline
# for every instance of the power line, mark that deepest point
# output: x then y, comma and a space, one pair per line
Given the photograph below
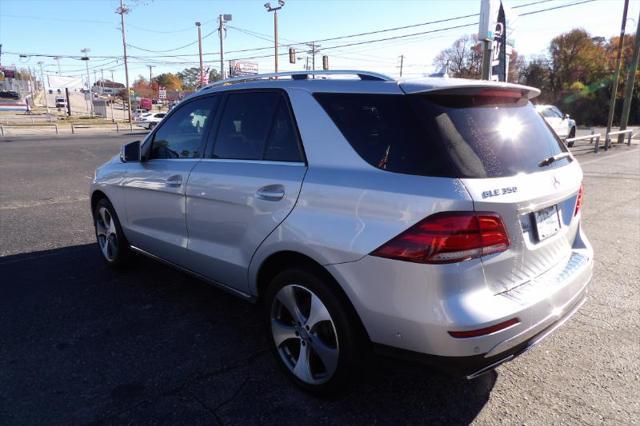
172, 50
556, 7
183, 30
397, 37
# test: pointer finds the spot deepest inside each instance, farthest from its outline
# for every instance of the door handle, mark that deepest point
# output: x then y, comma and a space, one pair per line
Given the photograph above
271, 193
175, 180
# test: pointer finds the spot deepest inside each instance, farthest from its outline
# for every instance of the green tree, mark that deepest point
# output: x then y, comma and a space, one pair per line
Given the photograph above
190, 77
214, 75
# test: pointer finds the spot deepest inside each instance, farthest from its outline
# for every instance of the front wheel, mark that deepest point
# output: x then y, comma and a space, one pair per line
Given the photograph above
315, 338
111, 240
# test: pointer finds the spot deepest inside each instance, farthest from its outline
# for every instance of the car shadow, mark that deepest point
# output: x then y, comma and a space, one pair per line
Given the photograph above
82, 342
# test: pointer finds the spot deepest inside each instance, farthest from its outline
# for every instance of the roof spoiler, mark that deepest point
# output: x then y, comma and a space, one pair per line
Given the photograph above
463, 86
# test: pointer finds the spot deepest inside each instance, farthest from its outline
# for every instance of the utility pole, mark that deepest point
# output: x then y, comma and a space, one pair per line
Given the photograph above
151, 67
222, 32
275, 28
220, 29
85, 58
614, 90
200, 79
314, 48
628, 86
401, 64
57, 59
122, 10
44, 91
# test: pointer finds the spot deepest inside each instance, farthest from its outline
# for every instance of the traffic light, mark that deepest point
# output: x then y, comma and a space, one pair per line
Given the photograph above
292, 55
325, 62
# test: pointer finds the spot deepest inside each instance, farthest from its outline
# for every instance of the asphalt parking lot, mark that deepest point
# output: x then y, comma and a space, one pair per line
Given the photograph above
80, 343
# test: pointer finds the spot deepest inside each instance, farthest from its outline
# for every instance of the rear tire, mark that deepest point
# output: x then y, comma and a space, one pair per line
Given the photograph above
112, 243
313, 335
152, 125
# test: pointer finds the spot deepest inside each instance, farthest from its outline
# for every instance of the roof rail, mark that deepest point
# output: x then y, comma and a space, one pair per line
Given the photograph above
300, 75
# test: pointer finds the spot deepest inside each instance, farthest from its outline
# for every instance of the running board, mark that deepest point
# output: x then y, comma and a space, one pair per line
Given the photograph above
221, 286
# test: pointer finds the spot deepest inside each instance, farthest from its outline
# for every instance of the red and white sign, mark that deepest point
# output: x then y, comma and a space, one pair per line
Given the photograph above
204, 78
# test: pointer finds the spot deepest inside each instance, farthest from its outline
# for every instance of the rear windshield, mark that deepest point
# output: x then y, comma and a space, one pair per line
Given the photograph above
487, 134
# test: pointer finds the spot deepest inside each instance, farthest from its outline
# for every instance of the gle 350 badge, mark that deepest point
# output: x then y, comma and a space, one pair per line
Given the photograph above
499, 191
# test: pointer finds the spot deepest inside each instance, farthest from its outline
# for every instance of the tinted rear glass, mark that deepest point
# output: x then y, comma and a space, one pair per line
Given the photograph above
490, 134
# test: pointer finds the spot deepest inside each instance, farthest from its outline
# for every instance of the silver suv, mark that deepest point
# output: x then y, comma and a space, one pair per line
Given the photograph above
435, 219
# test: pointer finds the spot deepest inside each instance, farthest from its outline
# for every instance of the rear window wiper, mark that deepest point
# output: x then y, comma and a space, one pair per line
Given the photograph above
554, 158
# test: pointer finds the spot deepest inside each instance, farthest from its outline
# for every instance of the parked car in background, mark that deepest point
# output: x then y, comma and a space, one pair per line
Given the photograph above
61, 102
9, 94
562, 124
435, 219
150, 120
137, 113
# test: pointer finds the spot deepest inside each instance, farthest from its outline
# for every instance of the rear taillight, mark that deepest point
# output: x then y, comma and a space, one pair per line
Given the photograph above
484, 331
447, 238
579, 200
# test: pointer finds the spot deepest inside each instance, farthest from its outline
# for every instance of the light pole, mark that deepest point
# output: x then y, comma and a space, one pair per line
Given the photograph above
201, 79
89, 98
44, 91
222, 20
275, 26
628, 87
616, 76
151, 67
122, 10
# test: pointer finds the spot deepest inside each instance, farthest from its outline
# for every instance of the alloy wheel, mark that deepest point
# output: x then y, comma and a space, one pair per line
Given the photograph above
107, 234
304, 334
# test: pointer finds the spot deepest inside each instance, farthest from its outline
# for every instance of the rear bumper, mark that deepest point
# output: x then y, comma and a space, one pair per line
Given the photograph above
473, 366
413, 307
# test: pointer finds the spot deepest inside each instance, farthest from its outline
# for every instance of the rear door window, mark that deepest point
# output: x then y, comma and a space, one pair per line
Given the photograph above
490, 134
256, 126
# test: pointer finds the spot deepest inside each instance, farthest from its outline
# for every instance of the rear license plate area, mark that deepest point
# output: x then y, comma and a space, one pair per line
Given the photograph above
546, 222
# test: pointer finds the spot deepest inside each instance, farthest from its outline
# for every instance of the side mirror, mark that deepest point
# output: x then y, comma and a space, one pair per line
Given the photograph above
130, 152
566, 116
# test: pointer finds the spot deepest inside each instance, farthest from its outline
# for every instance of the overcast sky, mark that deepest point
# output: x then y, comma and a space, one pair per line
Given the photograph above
64, 27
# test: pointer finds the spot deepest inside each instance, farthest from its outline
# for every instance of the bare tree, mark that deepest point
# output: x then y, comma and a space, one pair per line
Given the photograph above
463, 59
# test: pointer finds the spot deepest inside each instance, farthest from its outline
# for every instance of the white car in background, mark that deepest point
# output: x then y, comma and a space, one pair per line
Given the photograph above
562, 124
150, 119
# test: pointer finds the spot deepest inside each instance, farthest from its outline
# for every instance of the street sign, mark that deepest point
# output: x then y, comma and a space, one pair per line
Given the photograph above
242, 68
162, 92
